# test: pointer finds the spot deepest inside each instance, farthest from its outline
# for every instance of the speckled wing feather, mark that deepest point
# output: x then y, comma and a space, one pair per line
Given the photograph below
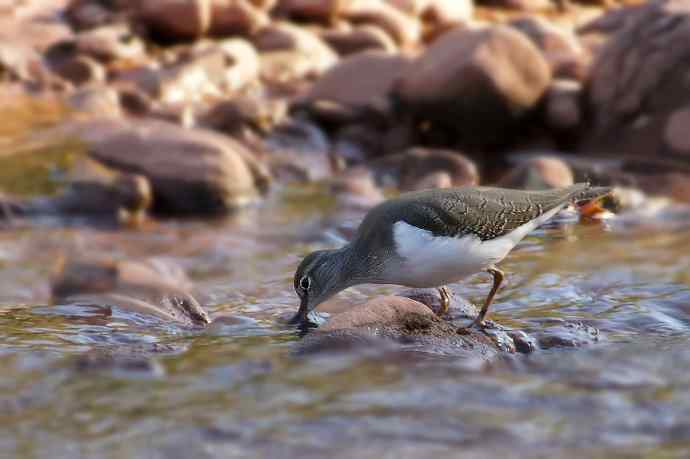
485, 212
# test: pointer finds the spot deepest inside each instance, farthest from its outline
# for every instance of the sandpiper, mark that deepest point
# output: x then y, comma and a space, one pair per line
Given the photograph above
433, 238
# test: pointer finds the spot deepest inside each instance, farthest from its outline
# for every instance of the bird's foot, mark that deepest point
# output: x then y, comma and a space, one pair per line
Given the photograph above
445, 300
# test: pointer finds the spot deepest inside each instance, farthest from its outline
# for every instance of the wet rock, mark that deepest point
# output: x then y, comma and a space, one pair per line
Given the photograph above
476, 83
397, 320
565, 55
638, 91
408, 169
191, 171
359, 39
566, 335
257, 113
404, 29
359, 86
143, 287
459, 308
563, 102
292, 53
19, 62
298, 150
121, 363
89, 14
539, 173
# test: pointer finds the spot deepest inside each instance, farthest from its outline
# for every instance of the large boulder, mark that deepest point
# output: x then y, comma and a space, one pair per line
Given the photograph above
190, 171
358, 85
639, 93
477, 84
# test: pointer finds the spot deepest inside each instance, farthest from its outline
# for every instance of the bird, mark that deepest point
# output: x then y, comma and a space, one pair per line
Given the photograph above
432, 238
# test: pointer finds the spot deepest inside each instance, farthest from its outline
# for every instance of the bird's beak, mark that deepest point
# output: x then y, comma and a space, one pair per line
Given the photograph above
301, 317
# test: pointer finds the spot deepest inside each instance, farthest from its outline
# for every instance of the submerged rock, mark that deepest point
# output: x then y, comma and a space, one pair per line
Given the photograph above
149, 287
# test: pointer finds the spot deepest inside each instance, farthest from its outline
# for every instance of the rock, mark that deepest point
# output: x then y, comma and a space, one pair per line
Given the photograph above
149, 287
539, 173
108, 43
89, 14
356, 190
292, 53
176, 20
407, 169
120, 363
19, 62
475, 84
405, 30
565, 55
191, 171
257, 113
359, 85
322, 10
299, 150
567, 334
98, 101
359, 39
638, 91
459, 308
563, 102
399, 320
236, 17
80, 70
355, 143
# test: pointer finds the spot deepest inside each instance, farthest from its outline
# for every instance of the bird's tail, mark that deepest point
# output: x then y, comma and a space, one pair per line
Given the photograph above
581, 192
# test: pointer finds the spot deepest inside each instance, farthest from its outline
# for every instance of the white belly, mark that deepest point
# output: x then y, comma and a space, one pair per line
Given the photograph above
432, 261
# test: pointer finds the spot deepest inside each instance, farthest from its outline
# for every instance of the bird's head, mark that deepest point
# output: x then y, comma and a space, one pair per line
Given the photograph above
318, 278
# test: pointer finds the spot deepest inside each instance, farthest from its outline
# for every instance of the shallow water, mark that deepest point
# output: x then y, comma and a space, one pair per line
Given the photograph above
235, 390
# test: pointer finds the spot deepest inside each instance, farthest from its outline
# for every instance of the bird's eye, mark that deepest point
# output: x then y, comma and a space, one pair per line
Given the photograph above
305, 283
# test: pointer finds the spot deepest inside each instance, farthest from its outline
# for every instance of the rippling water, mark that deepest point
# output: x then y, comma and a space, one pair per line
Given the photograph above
235, 390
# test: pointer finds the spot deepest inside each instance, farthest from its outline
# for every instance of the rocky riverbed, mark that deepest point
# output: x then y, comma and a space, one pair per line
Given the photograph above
165, 164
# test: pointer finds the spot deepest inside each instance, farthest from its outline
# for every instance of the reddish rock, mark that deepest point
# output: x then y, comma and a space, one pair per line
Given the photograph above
236, 17
638, 91
191, 171
562, 50
109, 43
539, 173
378, 311
323, 10
426, 167
298, 150
404, 29
476, 84
97, 101
358, 39
176, 19
80, 70
360, 83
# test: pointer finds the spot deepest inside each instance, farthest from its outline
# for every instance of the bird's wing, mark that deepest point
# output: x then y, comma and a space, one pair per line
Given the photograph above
486, 212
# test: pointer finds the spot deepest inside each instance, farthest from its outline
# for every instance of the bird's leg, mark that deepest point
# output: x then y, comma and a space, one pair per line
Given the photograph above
445, 299
498, 278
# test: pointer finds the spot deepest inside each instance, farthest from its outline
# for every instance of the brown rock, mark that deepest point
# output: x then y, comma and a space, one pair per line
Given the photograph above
323, 10
425, 165
298, 150
476, 83
236, 17
404, 29
563, 102
293, 53
638, 88
565, 55
97, 101
539, 173
191, 171
148, 287
355, 189
363, 38
176, 19
377, 311
109, 43
677, 132
359, 84
80, 70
